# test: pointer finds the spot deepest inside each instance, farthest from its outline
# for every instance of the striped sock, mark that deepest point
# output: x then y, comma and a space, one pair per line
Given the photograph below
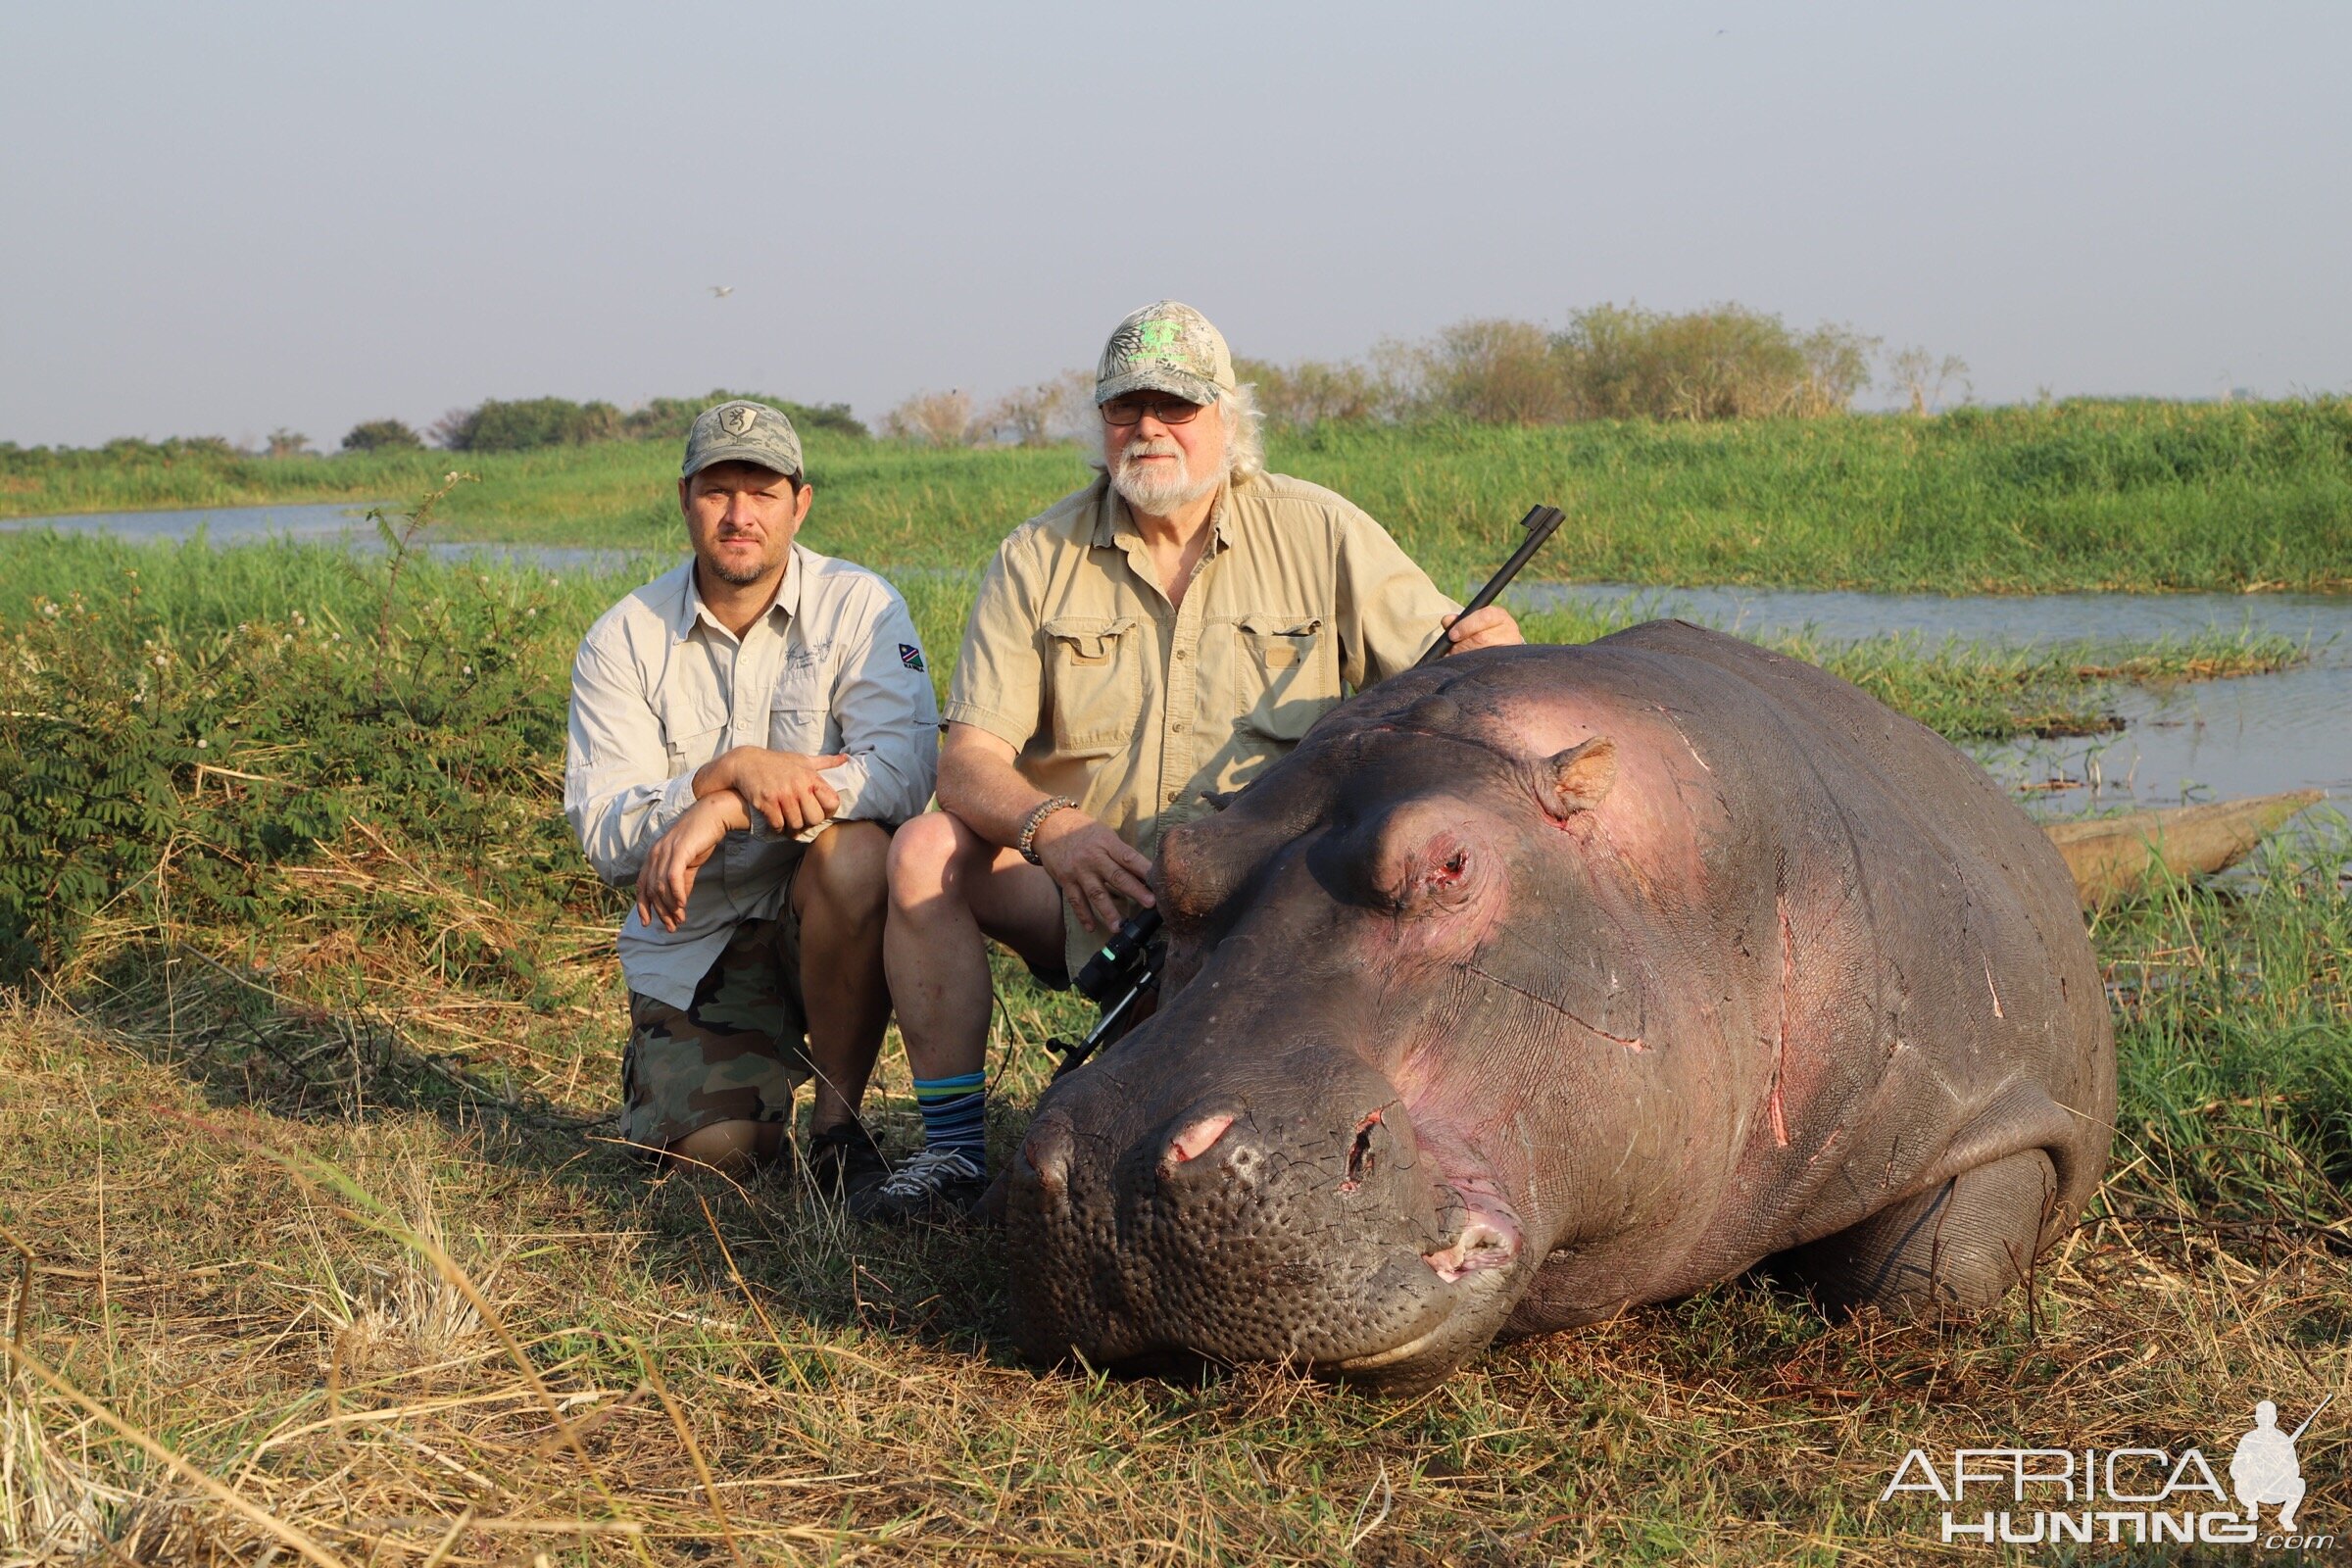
954, 1115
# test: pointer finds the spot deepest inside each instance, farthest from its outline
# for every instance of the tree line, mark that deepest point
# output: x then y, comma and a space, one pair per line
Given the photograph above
523, 425
1608, 362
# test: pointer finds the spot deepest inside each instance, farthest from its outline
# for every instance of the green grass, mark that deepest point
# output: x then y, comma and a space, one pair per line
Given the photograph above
2079, 495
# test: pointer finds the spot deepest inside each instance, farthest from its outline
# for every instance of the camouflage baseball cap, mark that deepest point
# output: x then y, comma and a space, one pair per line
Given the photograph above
1165, 347
742, 432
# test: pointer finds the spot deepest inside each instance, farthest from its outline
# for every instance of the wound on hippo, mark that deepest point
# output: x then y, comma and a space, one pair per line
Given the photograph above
1361, 1159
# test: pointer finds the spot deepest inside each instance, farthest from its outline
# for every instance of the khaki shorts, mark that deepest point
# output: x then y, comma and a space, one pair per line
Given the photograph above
738, 1054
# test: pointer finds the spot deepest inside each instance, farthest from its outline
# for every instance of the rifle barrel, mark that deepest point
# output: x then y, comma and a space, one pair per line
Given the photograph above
1539, 522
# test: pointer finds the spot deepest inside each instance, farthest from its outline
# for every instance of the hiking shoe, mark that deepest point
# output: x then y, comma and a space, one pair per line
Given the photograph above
938, 1183
844, 1166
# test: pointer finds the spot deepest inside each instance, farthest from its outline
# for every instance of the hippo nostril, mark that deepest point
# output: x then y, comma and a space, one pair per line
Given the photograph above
1360, 1157
1047, 1152
1196, 1140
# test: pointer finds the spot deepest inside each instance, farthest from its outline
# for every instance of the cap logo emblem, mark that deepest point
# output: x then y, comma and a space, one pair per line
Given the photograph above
1159, 338
738, 419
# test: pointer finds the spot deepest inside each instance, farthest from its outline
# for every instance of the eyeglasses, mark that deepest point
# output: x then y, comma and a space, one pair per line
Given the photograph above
1167, 411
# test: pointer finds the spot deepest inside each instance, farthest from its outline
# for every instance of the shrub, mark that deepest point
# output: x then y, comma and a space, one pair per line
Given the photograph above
1497, 372
378, 435
1314, 391
534, 422
670, 418
1611, 361
135, 756
932, 420
525, 424
1059, 409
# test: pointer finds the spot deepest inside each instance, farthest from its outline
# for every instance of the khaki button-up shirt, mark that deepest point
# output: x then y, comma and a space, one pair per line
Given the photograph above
1133, 705
660, 687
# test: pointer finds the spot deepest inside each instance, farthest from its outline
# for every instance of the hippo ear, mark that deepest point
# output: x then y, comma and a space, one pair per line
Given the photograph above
1581, 776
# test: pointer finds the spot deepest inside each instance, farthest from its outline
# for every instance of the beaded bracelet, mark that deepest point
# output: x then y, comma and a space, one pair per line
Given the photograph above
1044, 808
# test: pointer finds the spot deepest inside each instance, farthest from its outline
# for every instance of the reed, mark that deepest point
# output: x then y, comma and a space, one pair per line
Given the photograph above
2079, 494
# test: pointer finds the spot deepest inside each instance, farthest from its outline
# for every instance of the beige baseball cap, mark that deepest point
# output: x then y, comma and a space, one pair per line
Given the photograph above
742, 432
1165, 347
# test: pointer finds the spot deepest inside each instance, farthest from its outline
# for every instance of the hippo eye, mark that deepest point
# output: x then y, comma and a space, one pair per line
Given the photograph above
1453, 868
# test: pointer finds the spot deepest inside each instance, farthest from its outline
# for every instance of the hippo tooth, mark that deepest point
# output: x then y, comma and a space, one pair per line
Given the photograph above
1479, 1245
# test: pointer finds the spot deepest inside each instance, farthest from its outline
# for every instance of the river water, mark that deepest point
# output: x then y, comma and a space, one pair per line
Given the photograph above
2201, 740
328, 522
2191, 740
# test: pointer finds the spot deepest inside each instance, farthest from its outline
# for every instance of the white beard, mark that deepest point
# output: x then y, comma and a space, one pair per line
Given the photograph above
1162, 488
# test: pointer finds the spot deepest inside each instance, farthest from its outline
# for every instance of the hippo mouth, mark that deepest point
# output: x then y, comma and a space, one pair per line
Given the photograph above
1490, 1238
1477, 1267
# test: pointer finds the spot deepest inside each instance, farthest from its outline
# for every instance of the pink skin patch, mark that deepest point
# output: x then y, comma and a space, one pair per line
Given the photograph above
1196, 1140
1491, 1235
1490, 1239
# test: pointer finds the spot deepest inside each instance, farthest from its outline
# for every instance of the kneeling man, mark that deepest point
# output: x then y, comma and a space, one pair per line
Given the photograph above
1164, 634
746, 730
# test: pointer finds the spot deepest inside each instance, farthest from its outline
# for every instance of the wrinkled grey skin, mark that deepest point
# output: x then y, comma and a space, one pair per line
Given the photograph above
1551, 981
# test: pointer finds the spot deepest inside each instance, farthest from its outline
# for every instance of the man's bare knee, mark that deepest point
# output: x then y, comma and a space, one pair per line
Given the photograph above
847, 866
733, 1148
927, 856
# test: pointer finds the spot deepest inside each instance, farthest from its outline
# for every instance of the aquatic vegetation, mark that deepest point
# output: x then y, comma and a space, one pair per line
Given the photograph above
2077, 495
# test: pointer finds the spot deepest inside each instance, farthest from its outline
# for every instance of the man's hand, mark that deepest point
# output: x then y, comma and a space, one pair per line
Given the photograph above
680, 850
1091, 863
1490, 627
782, 787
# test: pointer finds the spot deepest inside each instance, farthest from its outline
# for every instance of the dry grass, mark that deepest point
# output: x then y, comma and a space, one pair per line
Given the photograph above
351, 1285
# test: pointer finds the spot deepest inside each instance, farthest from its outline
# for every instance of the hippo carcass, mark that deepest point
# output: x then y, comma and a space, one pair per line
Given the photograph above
1550, 981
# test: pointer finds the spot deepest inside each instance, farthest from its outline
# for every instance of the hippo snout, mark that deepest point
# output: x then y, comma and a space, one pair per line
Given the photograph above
1297, 1220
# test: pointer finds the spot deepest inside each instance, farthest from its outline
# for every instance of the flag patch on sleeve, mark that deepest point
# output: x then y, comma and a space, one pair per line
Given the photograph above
910, 655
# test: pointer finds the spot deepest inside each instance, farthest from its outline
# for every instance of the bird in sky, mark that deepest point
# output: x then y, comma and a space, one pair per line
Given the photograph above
719, 291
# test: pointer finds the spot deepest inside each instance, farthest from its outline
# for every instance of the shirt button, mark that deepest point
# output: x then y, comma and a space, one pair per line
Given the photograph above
1180, 726
1184, 653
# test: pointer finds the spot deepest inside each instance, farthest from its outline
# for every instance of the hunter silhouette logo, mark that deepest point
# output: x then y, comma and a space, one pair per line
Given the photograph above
2264, 1469
2127, 1496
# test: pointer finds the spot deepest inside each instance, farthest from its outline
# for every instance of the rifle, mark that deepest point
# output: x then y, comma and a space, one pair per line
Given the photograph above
1539, 522
1128, 965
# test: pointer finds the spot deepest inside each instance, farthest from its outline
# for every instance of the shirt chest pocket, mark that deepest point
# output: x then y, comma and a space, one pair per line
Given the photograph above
1093, 681
694, 729
800, 719
1284, 677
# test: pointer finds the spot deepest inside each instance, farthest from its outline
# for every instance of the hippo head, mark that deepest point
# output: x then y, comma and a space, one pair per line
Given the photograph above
1317, 1151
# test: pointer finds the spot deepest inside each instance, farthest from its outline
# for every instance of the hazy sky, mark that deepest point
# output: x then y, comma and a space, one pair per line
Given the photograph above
225, 219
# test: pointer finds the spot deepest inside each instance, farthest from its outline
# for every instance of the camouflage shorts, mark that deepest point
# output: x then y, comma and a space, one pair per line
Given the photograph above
738, 1054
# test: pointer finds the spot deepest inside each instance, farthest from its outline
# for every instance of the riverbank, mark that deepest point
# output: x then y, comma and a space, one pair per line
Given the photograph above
2076, 495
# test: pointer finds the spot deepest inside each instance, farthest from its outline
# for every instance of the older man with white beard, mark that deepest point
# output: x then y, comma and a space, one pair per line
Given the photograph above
1160, 636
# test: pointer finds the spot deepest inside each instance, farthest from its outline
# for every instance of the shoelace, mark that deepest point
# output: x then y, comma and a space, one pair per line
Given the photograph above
928, 1171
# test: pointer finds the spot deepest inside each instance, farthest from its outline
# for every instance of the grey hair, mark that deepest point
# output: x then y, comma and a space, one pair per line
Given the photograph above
1245, 434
